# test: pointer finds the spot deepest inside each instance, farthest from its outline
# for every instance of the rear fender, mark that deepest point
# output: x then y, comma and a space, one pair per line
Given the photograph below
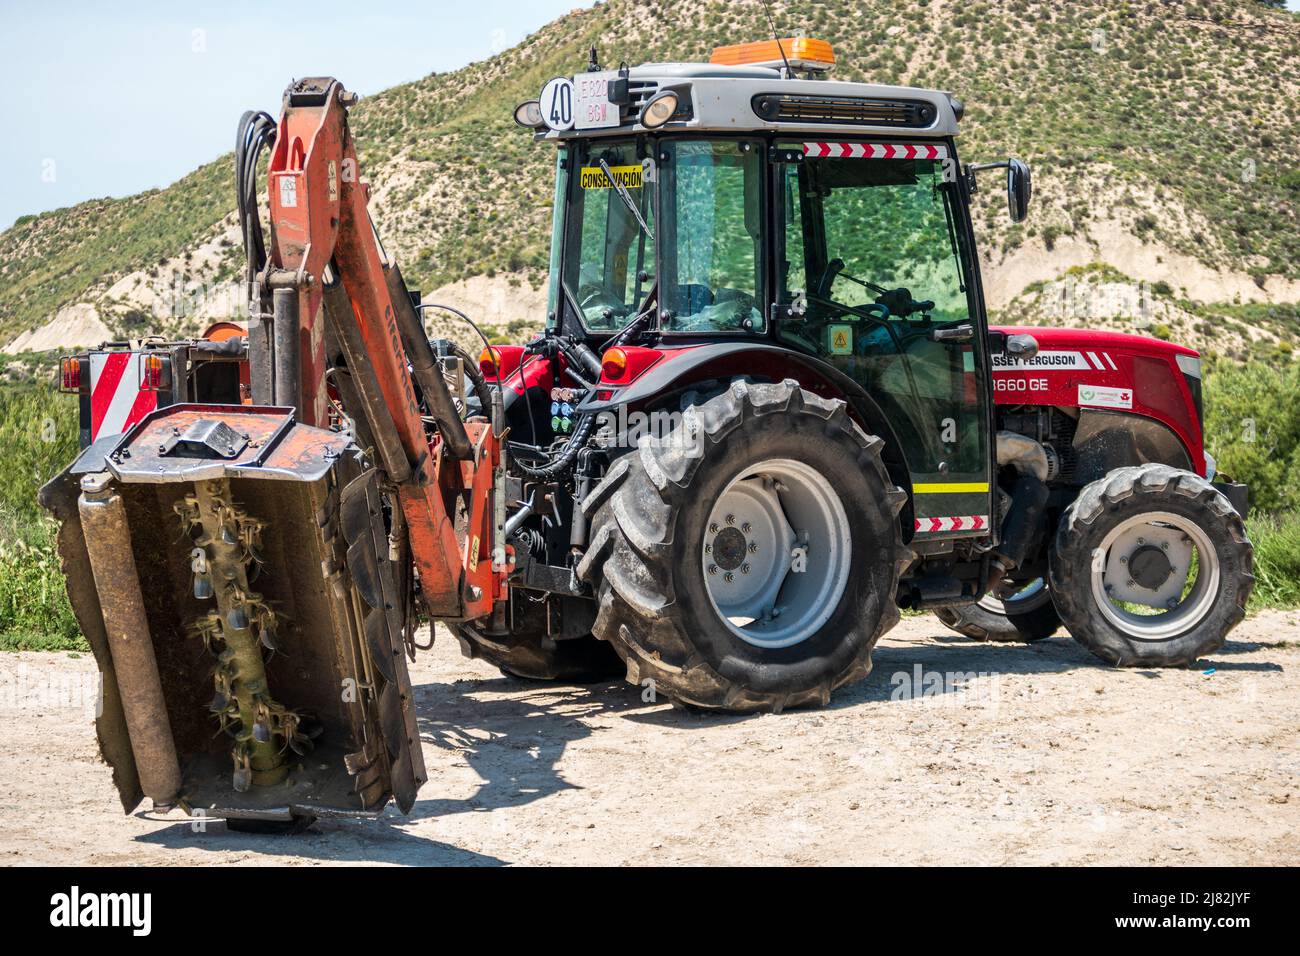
682, 368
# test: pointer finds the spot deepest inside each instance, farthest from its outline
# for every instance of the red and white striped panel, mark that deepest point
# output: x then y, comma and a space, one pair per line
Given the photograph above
954, 523
876, 150
116, 401
1097, 363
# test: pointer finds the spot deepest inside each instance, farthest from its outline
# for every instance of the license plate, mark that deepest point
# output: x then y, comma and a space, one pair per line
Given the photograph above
591, 106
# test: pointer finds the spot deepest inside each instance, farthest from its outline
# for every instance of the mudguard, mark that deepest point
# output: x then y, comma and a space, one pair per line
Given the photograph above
682, 367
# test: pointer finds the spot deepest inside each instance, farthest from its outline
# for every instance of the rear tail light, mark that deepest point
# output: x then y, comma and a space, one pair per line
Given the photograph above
624, 364
613, 364
488, 362
155, 373
70, 375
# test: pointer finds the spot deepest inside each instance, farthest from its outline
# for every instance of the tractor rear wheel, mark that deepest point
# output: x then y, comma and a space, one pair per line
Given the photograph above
531, 655
748, 560
1151, 567
1025, 616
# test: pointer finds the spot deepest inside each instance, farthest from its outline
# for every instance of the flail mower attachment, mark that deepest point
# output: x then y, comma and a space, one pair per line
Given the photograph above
265, 676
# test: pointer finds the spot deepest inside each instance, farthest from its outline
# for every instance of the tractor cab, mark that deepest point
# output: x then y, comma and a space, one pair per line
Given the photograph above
754, 201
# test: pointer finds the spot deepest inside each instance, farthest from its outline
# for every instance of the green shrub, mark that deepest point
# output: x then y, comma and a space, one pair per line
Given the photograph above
1277, 560
38, 438
35, 613
1253, 429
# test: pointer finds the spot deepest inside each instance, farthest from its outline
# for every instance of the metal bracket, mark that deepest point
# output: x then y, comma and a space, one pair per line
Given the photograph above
206, 438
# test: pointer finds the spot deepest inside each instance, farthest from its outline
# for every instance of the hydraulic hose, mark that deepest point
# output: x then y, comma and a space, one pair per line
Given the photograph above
256, 132
476, 379
567, 455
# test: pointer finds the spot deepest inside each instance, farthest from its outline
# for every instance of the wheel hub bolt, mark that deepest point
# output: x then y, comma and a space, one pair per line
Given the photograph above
713, 569
713, 527
708, 549
745, 527
744, 569
753, 548
730, 519
1171, 603
1123, 560
728, 577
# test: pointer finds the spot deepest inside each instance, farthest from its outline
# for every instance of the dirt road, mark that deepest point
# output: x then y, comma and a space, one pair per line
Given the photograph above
951, 752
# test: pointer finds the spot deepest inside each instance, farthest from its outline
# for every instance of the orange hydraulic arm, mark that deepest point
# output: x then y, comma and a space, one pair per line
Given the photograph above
324, 253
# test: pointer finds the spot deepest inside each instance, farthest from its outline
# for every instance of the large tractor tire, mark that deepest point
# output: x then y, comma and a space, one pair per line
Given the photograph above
1151, 567
1023, 617
749, 560
532, 655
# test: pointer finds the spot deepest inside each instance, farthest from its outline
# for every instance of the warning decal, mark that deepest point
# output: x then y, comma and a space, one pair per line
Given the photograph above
876, 150
288, 192
116, 400
841, 339
593, 177
952, 523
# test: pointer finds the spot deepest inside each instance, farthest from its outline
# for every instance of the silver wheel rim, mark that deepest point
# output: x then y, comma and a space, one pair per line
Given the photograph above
776, 553
1030, 597
1170, 607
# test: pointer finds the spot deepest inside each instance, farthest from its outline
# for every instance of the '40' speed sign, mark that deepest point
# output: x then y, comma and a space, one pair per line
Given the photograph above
557, 103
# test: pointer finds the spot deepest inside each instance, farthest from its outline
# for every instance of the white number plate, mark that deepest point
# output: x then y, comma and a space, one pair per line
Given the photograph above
591, 106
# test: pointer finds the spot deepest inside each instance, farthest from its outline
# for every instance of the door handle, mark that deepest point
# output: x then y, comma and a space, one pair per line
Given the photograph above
956, 333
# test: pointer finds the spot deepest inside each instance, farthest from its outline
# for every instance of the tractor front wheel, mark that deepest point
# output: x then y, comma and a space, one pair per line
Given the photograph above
748, 560
1151, 567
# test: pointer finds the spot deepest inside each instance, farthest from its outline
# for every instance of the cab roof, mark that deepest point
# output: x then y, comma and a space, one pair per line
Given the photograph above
721, 98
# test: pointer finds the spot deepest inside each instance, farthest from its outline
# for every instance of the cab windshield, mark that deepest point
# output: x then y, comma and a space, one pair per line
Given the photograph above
709, 193
712, 236
609, 259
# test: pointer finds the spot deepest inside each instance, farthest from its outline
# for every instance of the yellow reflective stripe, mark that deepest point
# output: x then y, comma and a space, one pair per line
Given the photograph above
951, 488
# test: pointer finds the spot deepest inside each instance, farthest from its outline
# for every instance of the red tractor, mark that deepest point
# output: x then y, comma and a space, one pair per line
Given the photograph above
766, 413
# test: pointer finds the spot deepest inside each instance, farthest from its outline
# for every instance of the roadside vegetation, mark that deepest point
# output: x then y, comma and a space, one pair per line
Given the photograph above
38, 437
1253, 427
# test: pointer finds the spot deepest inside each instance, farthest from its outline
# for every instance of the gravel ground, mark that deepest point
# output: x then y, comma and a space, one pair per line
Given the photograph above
950, 752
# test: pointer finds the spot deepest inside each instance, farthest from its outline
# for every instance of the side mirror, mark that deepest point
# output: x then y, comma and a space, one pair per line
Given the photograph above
1020, 186
1022, 346
1020, 189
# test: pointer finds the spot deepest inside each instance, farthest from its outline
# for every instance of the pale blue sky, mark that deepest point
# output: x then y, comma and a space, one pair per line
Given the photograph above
108, 98
121, 96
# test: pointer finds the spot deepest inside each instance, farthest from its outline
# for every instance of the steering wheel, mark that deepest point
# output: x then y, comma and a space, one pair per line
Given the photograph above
589, 293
